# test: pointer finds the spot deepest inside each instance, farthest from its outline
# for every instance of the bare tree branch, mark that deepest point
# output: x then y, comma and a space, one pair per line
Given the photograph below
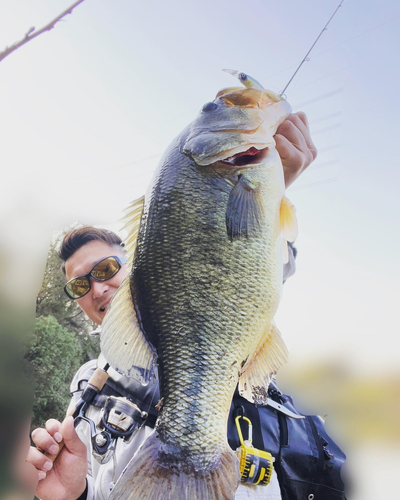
32, 33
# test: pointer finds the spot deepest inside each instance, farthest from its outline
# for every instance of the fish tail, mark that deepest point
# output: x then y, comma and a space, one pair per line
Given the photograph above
162, 472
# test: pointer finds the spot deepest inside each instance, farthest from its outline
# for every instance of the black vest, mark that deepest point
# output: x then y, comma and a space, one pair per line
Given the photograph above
307, 461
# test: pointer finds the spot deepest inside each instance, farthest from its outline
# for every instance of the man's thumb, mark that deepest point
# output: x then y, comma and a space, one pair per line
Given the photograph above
71, 439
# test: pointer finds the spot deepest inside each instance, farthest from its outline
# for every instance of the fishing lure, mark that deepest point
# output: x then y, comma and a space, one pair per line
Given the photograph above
247, 80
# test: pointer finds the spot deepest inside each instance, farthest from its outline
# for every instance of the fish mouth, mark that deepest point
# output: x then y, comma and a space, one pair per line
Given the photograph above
251, 156
237, 129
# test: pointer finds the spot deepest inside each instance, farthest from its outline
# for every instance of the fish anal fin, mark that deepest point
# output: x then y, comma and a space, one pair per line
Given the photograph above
123, 342
257, 373
160, 471
288, 221
244, 210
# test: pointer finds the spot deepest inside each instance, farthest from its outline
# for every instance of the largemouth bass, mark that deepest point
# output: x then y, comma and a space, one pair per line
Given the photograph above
208, 243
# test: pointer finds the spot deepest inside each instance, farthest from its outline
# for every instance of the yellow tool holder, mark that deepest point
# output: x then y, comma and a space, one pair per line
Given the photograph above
255, 465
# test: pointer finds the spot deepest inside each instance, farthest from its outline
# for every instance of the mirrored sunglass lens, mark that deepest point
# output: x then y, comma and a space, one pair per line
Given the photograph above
106, 269
78, 287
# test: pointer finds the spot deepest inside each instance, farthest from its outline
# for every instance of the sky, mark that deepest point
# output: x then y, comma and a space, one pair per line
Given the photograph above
88, 108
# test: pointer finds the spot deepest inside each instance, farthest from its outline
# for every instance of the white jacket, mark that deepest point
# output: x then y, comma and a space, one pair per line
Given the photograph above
102, 478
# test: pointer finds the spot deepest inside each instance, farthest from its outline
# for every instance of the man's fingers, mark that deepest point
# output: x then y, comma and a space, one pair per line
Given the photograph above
71, 438
293, 133
287, 151
45, 441
296, 129
295, 146
53, 427
303, 117
38, 460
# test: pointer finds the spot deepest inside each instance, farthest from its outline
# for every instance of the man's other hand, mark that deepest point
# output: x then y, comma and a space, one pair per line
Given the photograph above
65, 478
295, 146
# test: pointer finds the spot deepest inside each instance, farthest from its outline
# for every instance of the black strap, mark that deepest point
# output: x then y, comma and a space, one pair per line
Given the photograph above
244, 408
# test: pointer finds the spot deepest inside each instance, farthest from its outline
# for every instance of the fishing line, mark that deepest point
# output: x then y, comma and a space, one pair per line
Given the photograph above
306, 58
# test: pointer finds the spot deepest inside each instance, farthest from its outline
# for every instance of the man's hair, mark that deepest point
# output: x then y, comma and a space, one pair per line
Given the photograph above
76, 238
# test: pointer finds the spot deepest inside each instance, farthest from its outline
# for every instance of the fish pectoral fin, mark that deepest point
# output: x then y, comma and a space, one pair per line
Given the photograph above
244, 211
288, 220
123, 342
269, 356
131, 222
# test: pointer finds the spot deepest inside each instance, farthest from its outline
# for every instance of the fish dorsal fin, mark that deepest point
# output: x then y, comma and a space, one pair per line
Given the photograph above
270, 355
288, 221
131, 222
123, 342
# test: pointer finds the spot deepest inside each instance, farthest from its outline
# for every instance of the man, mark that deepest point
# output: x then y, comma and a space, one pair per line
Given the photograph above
85, 253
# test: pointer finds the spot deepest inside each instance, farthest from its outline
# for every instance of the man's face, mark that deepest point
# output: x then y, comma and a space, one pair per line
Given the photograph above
95, 302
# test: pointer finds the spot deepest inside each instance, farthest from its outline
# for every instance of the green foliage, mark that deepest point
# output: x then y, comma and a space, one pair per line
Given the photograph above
54, 356
52, 301
59, 345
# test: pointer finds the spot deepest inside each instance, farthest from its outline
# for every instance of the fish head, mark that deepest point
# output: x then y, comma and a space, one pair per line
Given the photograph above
237, 128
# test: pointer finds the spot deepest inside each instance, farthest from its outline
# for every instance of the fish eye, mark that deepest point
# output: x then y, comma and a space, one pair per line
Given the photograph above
243, 77
209, 106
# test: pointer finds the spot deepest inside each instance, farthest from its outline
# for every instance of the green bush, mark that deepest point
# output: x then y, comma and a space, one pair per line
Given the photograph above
54, 356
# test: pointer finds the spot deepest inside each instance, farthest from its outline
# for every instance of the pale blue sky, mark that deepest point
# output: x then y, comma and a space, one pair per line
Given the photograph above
96, 100
92, 105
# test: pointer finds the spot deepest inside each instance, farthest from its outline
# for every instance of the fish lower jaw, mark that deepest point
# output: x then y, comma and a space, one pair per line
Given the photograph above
239, 157
249, 157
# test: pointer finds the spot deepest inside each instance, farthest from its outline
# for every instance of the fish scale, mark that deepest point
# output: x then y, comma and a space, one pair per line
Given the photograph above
159, 316
204, 298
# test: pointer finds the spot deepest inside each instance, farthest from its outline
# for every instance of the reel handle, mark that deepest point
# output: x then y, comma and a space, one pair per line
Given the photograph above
95, 384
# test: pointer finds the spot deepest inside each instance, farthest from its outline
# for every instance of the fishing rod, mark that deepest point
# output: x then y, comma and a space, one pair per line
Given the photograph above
306, 58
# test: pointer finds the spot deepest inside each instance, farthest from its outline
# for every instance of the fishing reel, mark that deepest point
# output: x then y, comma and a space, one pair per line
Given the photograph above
119, 417
255, 465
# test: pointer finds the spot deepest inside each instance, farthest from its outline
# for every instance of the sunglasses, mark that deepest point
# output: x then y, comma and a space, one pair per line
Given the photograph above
78, 287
